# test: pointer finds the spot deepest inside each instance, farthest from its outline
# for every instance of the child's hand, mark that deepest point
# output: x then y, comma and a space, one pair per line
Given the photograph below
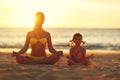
91, 56
14, 54
60, 53
67, 56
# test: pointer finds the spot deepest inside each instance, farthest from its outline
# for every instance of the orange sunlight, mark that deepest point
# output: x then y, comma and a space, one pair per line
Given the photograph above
61, 13
23, 20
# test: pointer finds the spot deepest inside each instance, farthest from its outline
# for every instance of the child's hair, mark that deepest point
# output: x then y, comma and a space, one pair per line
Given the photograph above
71, 43
77, 35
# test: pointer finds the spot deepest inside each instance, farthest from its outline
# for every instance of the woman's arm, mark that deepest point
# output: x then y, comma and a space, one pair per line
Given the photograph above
50, 46
26, 45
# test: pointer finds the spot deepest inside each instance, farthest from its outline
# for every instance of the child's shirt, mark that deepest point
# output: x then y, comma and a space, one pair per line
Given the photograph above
77, 54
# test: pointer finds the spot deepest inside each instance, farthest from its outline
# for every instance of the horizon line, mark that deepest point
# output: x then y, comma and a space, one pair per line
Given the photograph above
58, 28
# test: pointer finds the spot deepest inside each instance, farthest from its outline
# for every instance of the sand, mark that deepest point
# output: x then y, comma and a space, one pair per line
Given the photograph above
106, 66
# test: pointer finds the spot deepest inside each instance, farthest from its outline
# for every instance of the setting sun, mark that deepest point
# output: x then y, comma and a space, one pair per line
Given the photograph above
43, 39
60, 13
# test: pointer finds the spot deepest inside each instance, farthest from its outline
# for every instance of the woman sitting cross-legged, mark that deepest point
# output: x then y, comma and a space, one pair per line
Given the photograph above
38, 38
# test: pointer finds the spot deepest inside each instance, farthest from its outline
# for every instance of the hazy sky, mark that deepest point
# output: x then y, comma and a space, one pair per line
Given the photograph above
61, 13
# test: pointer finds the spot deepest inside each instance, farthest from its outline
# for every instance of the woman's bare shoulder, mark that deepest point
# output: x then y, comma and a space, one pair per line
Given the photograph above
46, 33
30, 33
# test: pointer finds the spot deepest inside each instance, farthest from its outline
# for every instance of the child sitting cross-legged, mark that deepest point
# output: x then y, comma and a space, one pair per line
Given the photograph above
77, 53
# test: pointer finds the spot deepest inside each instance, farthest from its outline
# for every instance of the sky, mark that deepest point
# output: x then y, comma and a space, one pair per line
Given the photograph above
61, 13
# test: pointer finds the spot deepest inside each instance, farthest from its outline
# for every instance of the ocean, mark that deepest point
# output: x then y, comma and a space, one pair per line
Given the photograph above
96, 39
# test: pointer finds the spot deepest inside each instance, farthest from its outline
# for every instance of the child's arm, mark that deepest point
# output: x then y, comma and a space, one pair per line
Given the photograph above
90, 56
83, 51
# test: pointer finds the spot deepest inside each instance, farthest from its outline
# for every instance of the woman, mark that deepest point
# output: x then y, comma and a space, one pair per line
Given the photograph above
38, 38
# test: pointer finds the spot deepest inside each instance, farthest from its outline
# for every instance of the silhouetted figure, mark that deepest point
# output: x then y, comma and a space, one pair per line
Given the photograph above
38, 39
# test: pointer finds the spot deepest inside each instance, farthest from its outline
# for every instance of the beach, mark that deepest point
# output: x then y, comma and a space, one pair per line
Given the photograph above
34, 28
104, 66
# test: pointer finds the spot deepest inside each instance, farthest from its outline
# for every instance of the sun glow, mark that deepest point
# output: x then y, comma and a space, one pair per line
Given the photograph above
25, 20
61, 13
23, 16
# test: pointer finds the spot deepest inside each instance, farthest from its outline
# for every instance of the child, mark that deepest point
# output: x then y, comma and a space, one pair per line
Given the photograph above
78, 52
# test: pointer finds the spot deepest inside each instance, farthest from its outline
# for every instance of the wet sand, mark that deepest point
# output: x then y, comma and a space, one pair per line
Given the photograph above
106, 66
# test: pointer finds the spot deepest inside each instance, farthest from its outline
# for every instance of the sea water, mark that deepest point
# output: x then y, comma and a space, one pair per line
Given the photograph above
96, 39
